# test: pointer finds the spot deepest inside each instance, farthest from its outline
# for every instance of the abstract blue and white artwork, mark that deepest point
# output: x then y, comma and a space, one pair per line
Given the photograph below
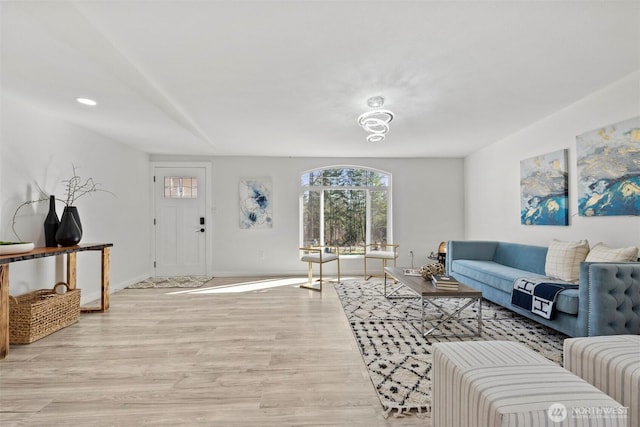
255, 203
609, 170
544, 189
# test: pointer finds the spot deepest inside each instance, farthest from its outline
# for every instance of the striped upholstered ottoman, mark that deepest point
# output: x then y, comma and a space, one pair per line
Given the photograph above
502, 383
612, 364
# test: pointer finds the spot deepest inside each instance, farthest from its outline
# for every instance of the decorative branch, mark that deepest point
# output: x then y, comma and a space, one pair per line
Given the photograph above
15, 214
75, 188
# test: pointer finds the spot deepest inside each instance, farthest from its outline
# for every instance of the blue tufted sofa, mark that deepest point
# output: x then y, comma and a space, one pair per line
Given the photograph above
607, 301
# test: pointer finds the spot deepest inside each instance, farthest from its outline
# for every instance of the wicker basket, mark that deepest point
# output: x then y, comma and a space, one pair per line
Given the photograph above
39, 313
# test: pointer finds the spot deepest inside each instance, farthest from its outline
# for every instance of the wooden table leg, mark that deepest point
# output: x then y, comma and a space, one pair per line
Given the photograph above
104, 283
4, 310
72, 270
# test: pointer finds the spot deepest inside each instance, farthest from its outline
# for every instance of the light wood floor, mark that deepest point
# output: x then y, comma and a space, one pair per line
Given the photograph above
277, 356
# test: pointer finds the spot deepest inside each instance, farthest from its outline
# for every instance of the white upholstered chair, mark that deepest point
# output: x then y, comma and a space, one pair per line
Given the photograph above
318, 255
384, 252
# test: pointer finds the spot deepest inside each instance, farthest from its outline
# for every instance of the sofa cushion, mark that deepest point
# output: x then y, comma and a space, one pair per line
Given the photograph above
523, 257
567, 301
603, 253
502, 277
564, 258
491, 273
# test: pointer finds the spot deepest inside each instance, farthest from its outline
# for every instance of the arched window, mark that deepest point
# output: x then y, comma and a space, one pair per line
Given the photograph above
345, 206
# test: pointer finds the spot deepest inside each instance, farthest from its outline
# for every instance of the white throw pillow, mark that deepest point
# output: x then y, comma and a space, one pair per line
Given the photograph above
603, 253
564, 258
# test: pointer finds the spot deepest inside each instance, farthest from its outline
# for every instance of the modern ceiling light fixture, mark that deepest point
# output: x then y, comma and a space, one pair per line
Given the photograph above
376, 121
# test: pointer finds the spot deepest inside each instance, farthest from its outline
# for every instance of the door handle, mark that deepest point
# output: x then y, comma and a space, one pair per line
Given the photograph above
200, 231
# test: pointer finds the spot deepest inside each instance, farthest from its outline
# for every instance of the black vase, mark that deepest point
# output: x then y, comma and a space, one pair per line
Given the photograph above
51, 224
76, 216
69, 232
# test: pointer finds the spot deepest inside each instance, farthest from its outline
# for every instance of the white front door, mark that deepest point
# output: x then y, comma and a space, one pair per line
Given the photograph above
180, 228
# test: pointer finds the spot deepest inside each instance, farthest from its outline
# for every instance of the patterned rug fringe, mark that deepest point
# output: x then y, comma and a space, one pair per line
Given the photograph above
403, 411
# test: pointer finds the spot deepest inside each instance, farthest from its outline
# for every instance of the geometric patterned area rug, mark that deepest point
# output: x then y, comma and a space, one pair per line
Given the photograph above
398, 357
171, 282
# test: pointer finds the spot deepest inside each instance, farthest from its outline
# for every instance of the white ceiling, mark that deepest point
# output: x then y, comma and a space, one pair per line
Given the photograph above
289, 78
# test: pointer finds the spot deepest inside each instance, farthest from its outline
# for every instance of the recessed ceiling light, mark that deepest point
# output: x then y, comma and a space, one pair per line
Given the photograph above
86, 101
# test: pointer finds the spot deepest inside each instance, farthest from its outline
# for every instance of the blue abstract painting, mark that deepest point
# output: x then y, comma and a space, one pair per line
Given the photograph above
544, 189
609, 170
255, 203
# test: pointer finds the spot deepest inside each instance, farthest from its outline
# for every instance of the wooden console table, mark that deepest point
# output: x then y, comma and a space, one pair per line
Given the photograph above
71, 252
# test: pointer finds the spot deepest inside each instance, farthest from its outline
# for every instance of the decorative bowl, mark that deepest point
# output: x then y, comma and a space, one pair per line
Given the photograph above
9, 248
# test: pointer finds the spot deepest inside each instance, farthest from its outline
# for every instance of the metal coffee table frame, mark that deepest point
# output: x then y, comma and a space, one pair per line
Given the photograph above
428, 294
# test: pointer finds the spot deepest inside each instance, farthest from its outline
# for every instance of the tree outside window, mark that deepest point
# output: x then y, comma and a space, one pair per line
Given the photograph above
346, 207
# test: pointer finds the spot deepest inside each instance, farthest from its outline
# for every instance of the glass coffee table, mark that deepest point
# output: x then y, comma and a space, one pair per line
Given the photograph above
429, 295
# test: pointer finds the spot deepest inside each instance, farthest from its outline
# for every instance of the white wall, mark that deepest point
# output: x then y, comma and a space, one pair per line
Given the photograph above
39, 150
492, 175
427, 199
